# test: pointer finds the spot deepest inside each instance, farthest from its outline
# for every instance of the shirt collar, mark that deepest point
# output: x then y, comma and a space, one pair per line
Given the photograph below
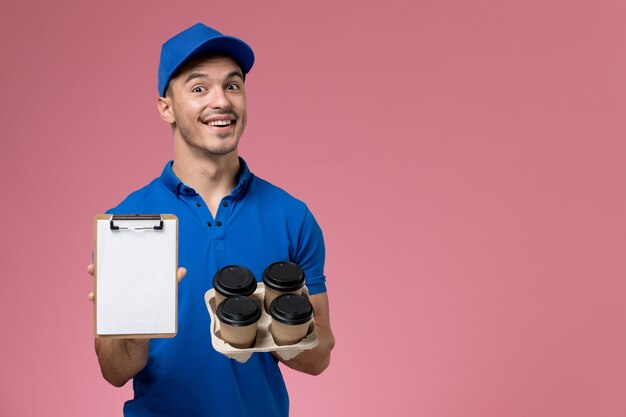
174, 184
169, 179
243, 178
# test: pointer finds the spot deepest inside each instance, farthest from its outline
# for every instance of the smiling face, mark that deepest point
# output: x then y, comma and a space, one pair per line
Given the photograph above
206, 104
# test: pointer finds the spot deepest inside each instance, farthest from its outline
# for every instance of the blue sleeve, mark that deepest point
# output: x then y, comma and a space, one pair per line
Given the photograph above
311, 254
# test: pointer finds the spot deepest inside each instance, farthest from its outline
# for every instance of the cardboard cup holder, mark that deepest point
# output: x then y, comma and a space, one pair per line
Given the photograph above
264, 341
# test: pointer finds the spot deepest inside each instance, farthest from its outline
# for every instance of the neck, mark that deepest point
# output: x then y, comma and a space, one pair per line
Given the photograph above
212, 176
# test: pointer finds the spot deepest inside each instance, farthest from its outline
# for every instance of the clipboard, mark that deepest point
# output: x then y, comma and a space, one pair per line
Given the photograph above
135, 275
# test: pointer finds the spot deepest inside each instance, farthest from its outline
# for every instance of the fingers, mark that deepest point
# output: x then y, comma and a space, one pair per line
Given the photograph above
182, 271
90, 296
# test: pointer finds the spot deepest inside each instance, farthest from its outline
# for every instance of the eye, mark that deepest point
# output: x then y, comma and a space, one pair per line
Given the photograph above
198, 89
232, 87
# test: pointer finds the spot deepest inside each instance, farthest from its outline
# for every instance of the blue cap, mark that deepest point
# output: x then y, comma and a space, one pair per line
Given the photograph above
200, 39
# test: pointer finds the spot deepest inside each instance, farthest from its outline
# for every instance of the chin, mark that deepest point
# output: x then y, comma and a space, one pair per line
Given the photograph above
223, 150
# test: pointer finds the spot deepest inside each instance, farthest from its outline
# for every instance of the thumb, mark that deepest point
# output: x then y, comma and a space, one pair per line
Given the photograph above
182, 271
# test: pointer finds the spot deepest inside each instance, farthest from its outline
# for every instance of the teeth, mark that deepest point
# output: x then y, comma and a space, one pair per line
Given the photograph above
220, 122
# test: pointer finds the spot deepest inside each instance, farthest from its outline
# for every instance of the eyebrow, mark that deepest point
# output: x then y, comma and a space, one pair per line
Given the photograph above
194, 75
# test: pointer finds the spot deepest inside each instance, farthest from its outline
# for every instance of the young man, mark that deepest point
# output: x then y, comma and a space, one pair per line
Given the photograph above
226, 216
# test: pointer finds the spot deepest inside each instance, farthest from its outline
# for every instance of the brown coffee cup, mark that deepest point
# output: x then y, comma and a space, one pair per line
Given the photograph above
282, 278
291, 316
238, 318
233, 281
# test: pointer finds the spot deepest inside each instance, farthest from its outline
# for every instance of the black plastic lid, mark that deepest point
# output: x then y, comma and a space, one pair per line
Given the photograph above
284, 276
234, 280
238, 311
291, 309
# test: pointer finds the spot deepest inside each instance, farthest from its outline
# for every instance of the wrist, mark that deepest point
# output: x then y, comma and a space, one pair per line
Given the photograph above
136, 347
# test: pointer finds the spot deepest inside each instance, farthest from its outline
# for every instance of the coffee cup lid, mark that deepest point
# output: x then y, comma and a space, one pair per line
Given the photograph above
291, 309
234, 280
238, 311
284, 276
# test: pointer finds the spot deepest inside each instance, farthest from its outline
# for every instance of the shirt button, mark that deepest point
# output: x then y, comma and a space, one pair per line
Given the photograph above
198, 204
218, 223
225, 203
209, 223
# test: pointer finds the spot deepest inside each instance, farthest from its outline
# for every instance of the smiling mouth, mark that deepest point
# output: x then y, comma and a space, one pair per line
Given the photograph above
220, 123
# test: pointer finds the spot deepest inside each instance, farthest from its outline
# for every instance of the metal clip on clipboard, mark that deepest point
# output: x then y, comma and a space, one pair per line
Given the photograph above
126, 217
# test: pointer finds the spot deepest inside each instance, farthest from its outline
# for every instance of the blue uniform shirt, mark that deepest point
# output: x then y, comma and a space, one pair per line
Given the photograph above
257, 224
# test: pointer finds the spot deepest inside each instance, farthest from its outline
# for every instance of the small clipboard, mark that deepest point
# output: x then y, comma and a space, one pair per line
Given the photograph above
135, 268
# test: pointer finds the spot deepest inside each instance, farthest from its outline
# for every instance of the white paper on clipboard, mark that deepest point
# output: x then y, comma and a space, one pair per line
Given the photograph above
136, 262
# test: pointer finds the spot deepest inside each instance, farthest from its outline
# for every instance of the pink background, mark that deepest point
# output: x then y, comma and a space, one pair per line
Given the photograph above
466, 160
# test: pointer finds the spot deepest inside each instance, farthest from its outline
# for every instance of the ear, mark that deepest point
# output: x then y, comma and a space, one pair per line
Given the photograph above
164, 104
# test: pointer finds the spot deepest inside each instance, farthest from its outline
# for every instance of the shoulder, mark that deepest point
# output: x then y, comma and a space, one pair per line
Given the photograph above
284, 210
140, 200
276, 197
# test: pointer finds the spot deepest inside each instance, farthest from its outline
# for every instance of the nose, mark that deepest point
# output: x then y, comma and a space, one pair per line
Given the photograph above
218, 99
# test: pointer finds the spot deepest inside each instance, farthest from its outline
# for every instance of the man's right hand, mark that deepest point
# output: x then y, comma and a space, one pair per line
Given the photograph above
122, 359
